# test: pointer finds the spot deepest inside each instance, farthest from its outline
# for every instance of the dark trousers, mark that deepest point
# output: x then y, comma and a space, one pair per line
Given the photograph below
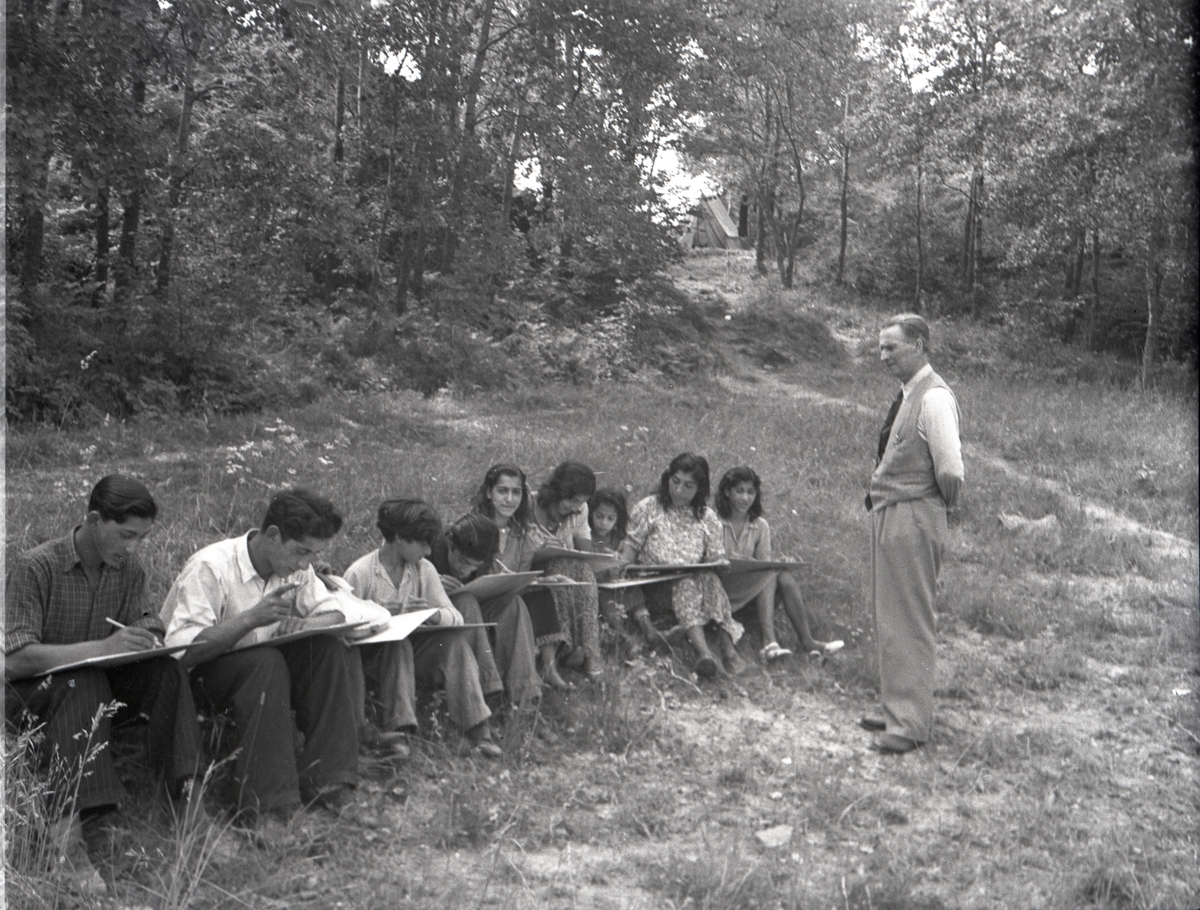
67, 703
262, 687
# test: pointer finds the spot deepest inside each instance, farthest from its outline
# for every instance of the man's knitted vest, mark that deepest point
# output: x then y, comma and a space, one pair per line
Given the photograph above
906, 470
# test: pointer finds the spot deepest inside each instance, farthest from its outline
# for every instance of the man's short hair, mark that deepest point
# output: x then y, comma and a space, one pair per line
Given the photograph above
301, 513
408, 519
118, 498
475, 537
912, 325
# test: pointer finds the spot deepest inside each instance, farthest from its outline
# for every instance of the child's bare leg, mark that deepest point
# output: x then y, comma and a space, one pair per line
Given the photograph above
706, 665
653, 637
549, 656
733, 661
793, 605
764, 605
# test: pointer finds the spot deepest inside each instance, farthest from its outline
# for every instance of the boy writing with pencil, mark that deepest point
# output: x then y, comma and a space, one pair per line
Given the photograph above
81, 598
400, 577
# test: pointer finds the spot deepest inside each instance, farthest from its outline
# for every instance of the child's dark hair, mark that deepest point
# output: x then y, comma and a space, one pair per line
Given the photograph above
408, 519
118, 498
731, 479
482, 503
301, 513
568, 480
616, 499
687, 463
475, 537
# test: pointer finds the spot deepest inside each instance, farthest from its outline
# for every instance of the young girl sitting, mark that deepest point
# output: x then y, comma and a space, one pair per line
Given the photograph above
748, 536
676, 526
608, 518
504, 498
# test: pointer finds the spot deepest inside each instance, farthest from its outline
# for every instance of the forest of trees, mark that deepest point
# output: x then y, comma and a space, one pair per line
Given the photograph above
224, 204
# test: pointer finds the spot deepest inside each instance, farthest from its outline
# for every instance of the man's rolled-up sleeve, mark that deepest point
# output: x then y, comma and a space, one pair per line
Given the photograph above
25, 598
938, 426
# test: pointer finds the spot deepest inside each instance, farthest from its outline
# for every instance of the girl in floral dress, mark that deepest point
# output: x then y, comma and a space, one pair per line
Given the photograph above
560, 519
676, 526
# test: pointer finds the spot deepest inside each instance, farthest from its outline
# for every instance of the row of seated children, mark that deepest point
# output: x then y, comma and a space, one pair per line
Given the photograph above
83, 596
80, 603
678, 525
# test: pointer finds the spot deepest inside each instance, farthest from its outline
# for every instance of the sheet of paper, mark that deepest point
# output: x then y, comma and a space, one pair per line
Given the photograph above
115, 660
429, 630
598, 561
676, 567
619, 583
489, 587
399, 628
737, 564
339, 630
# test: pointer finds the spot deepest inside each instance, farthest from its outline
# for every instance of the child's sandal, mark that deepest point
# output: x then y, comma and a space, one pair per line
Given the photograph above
773, 651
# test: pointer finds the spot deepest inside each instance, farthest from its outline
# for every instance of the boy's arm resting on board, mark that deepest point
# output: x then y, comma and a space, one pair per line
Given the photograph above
195, 602
26, 596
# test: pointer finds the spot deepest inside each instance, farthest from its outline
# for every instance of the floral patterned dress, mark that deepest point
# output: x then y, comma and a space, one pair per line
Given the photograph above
578, 606
669, 535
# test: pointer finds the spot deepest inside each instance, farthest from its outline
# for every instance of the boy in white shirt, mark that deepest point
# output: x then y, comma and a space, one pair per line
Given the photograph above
245, 590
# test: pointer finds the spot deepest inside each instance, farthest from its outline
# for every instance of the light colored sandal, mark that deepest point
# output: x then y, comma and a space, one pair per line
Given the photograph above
773, 651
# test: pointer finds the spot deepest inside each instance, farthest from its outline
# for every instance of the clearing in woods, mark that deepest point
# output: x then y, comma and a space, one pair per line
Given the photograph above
1063, 769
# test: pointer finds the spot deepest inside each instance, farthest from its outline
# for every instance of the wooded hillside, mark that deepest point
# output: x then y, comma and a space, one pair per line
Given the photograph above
226, 205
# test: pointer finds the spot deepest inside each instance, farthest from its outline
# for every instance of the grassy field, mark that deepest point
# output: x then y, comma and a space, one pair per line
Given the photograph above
1064, 768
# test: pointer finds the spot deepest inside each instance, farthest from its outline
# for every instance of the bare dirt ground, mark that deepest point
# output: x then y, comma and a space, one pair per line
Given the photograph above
1059, 776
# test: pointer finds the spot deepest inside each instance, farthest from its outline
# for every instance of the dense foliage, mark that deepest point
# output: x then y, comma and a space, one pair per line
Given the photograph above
223, 205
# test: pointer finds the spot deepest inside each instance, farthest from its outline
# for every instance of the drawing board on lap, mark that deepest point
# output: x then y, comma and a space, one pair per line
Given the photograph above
399, 628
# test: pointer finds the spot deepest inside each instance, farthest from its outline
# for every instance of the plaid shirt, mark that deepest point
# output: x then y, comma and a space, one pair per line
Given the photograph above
47, 599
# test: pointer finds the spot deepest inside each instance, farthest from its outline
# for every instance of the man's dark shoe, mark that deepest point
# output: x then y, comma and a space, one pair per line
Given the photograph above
337, 800
874, 724
893, 744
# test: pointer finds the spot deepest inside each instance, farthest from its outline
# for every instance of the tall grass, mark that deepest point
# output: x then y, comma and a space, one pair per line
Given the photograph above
39, 791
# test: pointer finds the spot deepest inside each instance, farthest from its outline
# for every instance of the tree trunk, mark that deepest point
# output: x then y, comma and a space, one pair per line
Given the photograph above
920, 289
510, 166
33, 176
972, 238
1154, 310
102, 245
126, 264
976, 248
845, 192
175, 184
339, 118
467, 144
1075, 259
418, 263
360, 101
1093, 304
760, 241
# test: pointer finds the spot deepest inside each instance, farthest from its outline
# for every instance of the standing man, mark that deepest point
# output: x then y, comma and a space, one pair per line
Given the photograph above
80, 597
244, 591
918, 475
